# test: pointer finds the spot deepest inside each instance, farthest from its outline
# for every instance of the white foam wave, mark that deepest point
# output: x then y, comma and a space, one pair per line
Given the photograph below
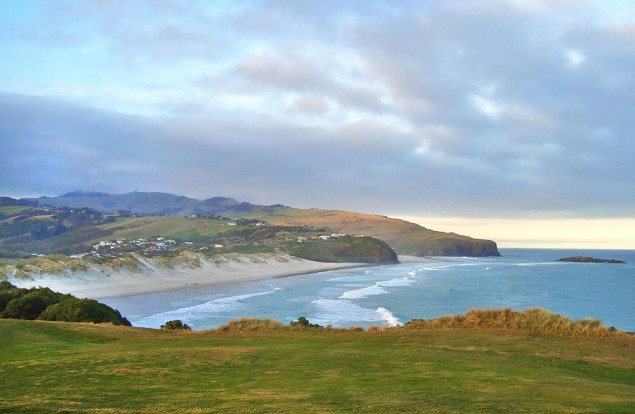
388, 317
348, 279
198, 312
341, 313
377, 288
538, 264
364, 292
404, 281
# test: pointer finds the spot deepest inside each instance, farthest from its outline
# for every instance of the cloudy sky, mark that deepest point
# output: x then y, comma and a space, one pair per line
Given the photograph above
508, 119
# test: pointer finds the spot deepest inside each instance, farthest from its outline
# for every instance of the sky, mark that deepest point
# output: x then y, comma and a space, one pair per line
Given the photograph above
509, 119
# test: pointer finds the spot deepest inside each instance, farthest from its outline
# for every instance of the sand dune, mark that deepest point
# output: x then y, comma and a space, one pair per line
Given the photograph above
149, 275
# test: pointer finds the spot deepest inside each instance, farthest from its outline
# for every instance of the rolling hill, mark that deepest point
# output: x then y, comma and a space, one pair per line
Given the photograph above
404, 237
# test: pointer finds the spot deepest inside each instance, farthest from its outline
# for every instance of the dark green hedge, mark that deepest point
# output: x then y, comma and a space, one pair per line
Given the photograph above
45, 304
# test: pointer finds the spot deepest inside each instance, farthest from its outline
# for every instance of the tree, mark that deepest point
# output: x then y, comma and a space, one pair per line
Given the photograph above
83, 310
303, 322
176, 325
45, 304
32, 304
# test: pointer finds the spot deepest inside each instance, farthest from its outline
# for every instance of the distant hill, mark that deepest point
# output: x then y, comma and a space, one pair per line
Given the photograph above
148, 203
152, 203
405, 237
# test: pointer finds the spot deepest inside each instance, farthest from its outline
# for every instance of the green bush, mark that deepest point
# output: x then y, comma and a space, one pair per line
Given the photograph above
9, 292
32, 304
83, 310
176, 325
303, 322
45, 304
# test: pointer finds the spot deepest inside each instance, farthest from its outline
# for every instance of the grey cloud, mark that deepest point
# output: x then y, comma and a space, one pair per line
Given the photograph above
311, 105
457, 108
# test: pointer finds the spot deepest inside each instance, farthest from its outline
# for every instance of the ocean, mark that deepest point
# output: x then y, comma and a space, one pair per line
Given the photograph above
394, 294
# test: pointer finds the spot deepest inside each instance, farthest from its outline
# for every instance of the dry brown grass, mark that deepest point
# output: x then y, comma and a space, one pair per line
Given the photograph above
252, 325
532, 319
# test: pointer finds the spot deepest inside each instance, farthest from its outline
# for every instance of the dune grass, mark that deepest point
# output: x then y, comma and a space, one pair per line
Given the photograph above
531, 320
262, 366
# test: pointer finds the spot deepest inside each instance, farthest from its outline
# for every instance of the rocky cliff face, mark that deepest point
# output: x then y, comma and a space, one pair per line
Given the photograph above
452, 247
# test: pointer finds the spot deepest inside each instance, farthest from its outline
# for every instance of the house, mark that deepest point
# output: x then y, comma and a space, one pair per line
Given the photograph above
301, 239
218, 246
325, 237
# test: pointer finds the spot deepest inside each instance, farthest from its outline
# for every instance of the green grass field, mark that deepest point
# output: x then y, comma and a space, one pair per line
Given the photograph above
67, 367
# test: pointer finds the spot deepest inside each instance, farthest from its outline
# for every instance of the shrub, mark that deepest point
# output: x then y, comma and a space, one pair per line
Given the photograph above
83, 310
303, 322
251, 325
176, 324
32, 304
532, 319
45, 304
8, 292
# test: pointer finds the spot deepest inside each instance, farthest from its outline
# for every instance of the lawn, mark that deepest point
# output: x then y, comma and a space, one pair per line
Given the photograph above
67, 367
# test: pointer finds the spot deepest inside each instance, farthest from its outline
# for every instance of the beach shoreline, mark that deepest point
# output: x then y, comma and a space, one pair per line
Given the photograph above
100, 283
202, 281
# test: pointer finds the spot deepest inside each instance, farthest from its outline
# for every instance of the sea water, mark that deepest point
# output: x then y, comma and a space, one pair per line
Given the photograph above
394, 294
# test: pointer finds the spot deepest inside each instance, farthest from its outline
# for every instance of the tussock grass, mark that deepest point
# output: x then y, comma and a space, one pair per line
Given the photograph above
246, 325
532, 319
252, 325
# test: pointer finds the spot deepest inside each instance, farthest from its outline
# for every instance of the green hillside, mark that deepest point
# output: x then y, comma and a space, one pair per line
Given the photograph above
170, 216
49, 367
405, 237
110, 242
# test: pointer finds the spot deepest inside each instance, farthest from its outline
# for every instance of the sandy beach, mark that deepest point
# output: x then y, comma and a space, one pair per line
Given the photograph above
99, 282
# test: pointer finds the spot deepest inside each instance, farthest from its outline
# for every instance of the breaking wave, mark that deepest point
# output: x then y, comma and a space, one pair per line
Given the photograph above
341, 313
198, 312
388, 317
377, 288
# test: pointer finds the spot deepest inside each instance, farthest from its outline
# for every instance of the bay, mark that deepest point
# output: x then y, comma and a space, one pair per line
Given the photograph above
393, 294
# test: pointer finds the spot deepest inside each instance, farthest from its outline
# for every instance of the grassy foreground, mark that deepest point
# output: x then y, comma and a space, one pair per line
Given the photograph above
70, 367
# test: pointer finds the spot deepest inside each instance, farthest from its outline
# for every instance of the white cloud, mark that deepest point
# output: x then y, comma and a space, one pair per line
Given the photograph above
574, 57
486, 106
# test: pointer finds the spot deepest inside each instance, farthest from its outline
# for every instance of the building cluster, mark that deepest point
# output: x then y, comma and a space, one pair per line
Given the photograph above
302, 239
114, 248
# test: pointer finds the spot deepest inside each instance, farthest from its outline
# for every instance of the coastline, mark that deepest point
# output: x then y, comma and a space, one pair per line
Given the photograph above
100, 283
97, 283
416, 259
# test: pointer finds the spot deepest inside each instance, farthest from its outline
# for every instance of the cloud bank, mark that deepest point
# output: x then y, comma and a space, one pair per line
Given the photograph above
469, 108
